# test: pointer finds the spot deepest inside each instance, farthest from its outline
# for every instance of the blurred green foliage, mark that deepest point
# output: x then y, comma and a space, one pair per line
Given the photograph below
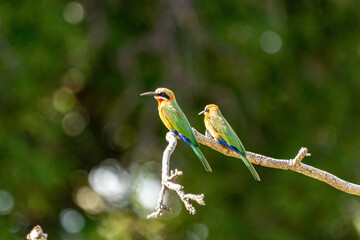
285, 74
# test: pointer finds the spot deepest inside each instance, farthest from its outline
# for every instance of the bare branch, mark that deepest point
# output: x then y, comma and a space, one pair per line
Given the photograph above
37, 234
167, 182
295, 164
292, 164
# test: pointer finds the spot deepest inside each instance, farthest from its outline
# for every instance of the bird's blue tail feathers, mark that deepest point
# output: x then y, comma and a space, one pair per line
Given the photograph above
196, 150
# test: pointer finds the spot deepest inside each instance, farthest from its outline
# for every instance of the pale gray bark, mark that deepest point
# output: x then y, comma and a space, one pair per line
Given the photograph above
167, 182
291, 164
37, 234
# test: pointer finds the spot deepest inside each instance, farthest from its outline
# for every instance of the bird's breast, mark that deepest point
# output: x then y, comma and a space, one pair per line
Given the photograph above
164, 119
212, 129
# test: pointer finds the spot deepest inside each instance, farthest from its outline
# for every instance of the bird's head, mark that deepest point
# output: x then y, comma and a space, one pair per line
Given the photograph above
161, 95
211, 108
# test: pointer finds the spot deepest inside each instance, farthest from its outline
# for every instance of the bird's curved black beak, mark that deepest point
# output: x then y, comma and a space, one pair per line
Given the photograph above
148, 94
202, 112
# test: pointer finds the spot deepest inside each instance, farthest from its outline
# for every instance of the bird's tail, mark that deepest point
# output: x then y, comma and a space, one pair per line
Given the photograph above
249, 166
202, 158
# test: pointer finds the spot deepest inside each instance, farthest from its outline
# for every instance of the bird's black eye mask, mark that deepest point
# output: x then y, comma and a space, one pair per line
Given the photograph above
207, 110
164, 95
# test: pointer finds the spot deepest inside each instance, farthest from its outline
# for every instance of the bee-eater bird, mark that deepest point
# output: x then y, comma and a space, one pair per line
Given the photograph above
175, 120
221, 130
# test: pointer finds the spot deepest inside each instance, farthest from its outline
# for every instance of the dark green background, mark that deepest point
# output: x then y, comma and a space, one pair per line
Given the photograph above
306, 94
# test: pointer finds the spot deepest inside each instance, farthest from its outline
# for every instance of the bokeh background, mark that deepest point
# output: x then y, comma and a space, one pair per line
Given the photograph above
80, 151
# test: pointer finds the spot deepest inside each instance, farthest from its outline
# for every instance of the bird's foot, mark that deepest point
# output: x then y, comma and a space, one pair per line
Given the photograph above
208, 134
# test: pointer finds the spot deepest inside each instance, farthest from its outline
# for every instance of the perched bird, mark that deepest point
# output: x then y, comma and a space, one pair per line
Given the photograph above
176, 121
221, 130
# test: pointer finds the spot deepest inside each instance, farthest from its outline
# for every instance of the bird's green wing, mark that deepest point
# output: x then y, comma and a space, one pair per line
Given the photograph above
222, 127
177, 119
179, 122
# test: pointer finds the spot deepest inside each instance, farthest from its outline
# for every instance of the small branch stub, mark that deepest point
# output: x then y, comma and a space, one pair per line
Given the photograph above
301, 154
37, 234
167, 182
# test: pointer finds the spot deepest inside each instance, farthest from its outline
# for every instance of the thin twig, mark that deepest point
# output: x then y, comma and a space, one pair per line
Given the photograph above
167, 182
292, 164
